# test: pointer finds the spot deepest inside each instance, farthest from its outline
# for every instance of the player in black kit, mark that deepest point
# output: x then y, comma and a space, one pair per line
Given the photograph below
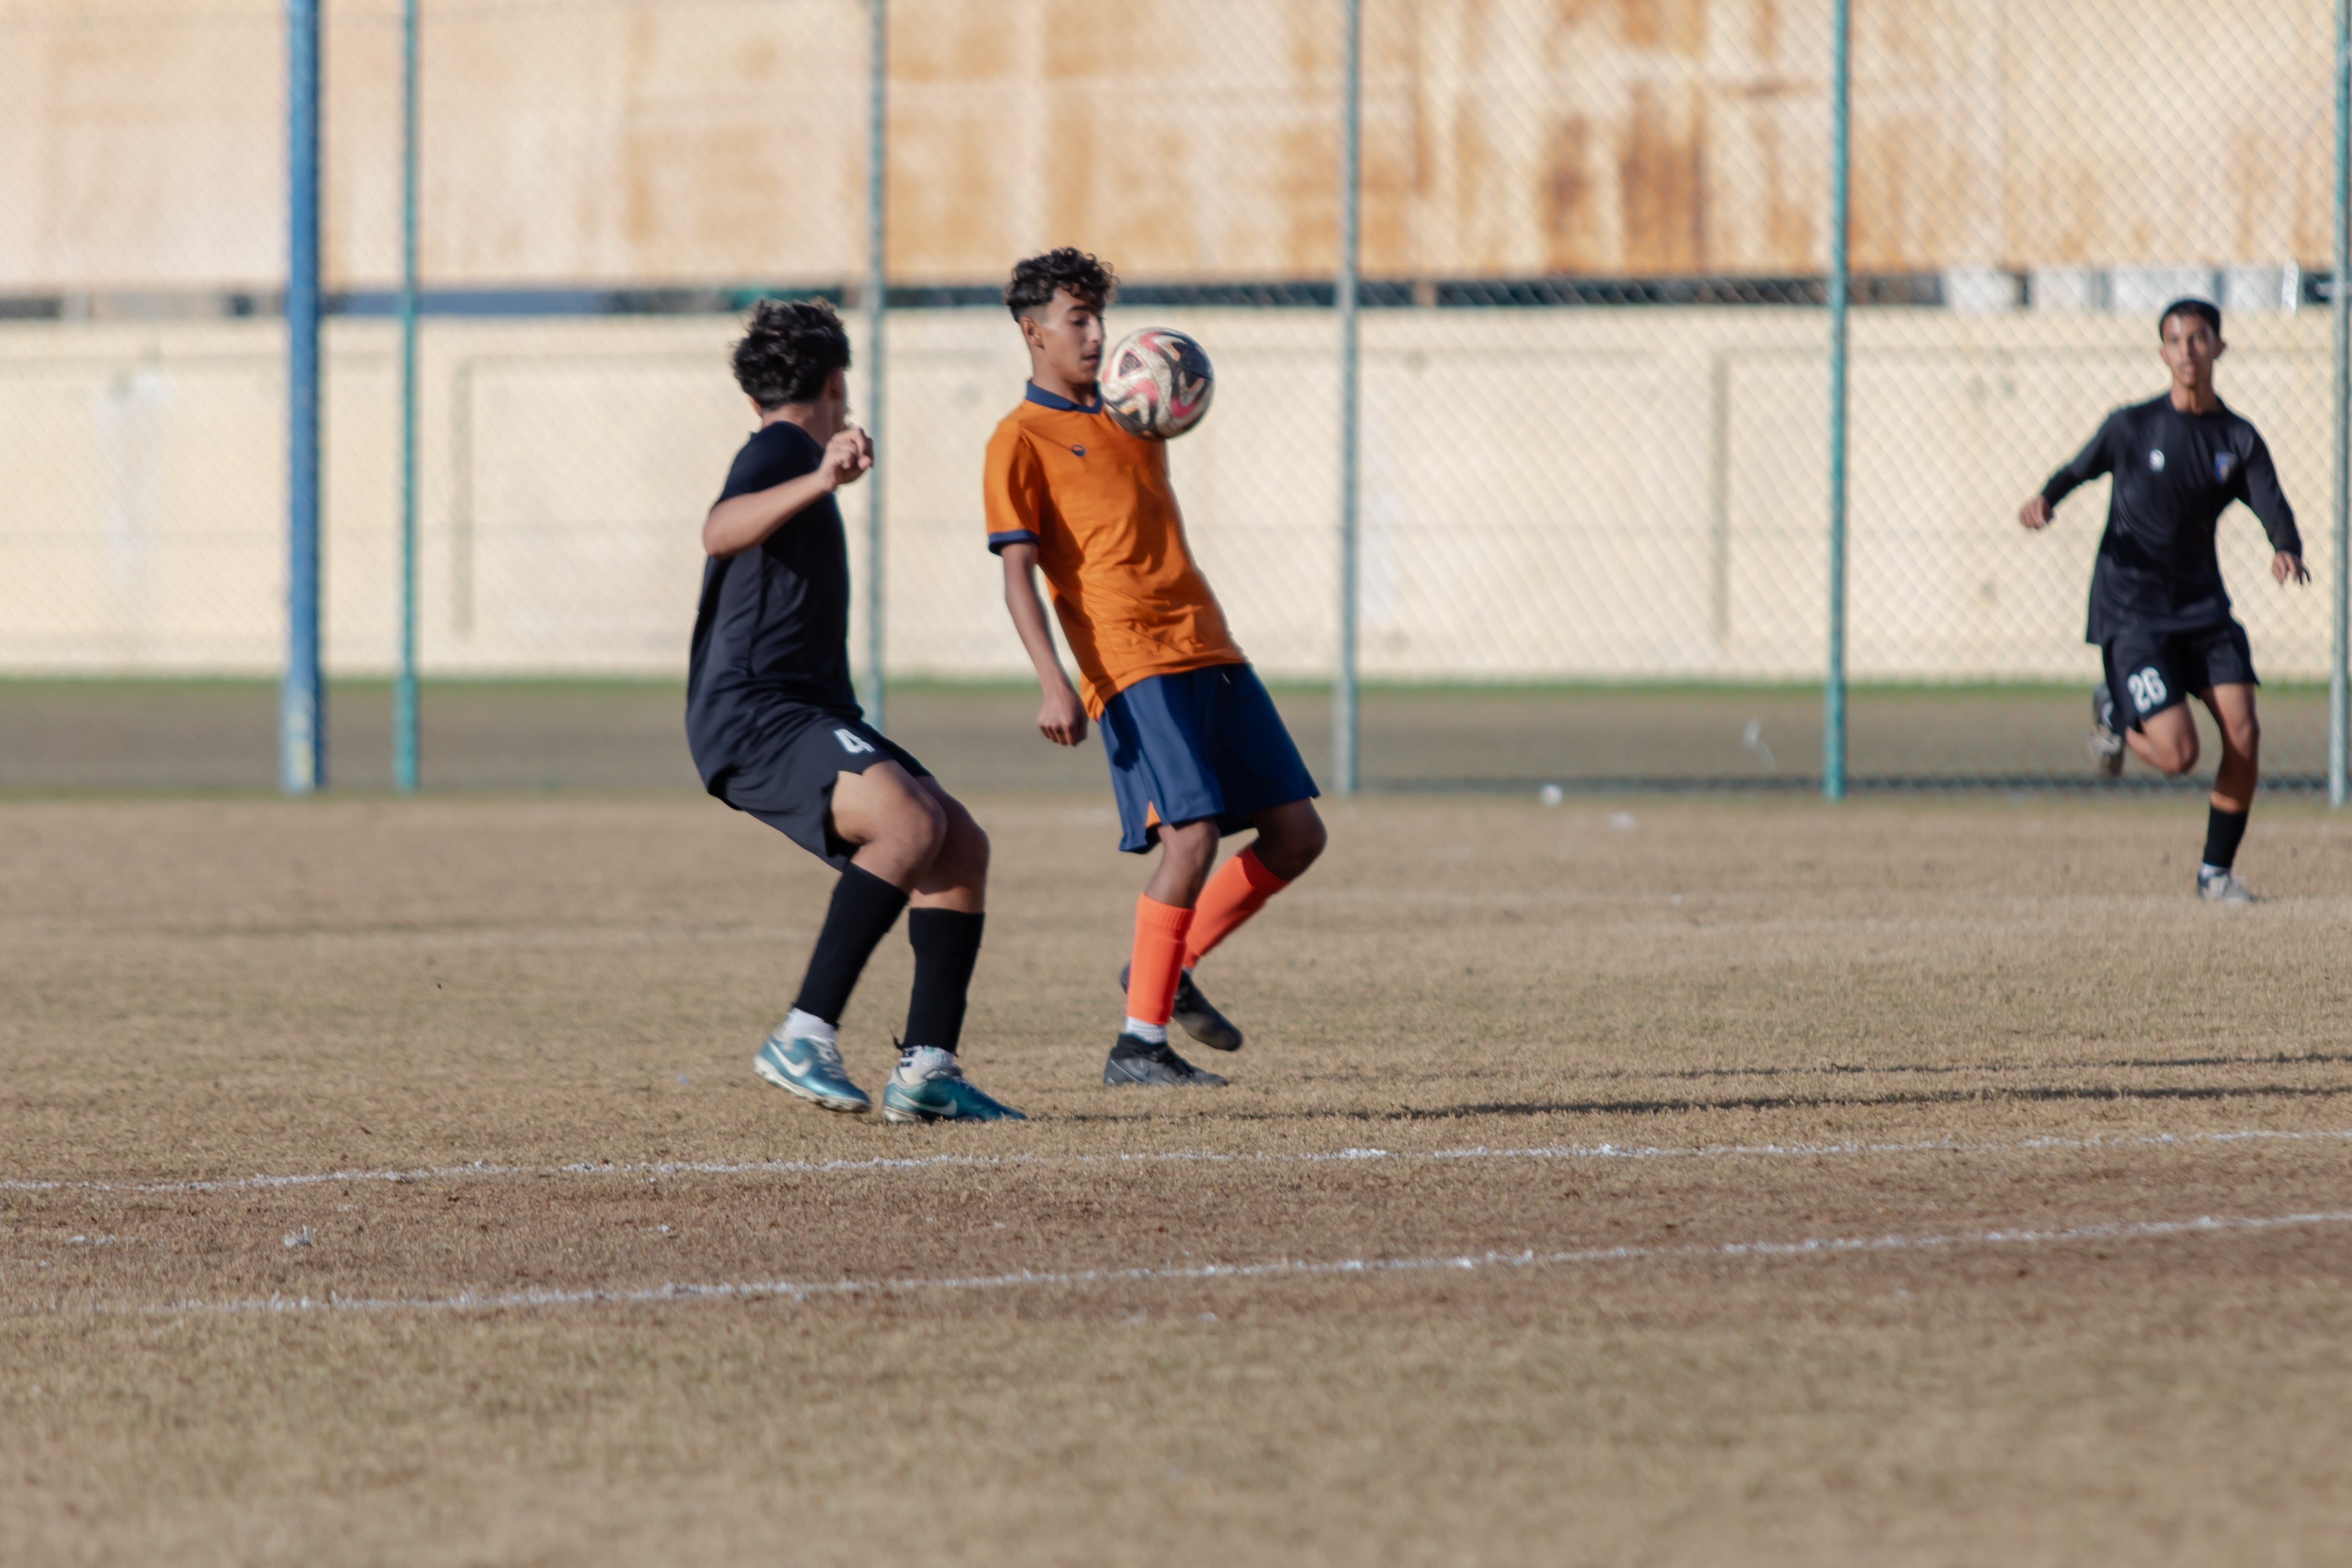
2159, 613
776, 731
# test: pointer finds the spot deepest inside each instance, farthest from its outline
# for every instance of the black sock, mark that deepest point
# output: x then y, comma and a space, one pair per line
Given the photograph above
2223, 831
946, 944
863, 908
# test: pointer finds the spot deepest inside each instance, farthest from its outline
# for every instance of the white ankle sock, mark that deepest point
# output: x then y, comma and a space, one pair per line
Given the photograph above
1150, 1034
2206, 873
799, 1026
921, 1064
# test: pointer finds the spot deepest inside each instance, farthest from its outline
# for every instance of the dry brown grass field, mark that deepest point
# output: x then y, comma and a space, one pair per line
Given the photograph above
1651, 1181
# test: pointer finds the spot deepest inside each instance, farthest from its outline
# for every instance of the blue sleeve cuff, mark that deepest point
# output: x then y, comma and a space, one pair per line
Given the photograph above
997, 541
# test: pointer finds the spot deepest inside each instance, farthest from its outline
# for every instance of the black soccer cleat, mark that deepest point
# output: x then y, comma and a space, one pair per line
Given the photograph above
1197, 1016
1139, 1061
2107, 743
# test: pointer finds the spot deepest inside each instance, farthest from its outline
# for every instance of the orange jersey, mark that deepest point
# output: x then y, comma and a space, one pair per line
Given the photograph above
1096, 503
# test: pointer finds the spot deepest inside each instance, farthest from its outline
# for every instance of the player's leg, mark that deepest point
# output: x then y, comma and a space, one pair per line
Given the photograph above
2145, 678
894, 830
1168, 796
2235, 782
944, 927
2166, 741
1155, 966
1267, 786
1289, 838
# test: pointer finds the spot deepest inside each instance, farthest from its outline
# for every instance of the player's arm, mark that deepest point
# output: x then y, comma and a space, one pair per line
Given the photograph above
2259, 488
2089, 463
741, 522
1061, 717
1017, 500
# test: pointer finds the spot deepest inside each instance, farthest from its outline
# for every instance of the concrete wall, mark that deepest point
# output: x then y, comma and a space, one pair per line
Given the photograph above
709, 141
1557, 494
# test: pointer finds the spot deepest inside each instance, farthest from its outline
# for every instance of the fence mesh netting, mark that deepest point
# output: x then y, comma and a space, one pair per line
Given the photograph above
1594, 438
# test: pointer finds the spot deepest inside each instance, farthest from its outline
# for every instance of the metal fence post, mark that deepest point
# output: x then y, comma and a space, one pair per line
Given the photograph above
2339, 306
1344, 758
301, 706
403, 686
1833, 684
877, 152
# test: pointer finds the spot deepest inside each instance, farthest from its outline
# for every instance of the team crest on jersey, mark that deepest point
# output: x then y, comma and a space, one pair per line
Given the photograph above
2156, 461
2223, 463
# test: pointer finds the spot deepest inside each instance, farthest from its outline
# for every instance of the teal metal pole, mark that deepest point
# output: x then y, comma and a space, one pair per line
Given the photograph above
403, 684
878, 154
2339, 306
1344, 696
301, 697
1833, 684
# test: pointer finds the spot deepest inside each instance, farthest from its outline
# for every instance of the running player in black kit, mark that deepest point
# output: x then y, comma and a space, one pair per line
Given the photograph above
777, 731
2159, 613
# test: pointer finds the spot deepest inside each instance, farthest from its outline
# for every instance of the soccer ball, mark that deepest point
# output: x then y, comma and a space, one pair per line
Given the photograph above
1156, 382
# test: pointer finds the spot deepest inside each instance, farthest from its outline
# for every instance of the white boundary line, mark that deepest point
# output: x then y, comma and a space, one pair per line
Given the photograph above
483, 1171
797, 1290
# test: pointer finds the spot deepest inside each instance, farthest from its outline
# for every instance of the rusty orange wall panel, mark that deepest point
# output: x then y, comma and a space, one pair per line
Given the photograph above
697, 141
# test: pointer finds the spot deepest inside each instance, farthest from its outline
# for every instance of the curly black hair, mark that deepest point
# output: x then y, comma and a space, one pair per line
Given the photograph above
1035, 279
788, 347
2204, 310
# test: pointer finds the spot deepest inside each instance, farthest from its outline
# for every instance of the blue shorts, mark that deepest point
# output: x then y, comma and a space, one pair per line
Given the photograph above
1197, 746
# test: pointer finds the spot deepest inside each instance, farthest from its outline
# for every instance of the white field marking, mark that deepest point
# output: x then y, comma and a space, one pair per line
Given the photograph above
802, 1290
483, 1170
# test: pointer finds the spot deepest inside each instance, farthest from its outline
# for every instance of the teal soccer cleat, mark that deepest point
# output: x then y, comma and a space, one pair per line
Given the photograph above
930, 1086
812, 1070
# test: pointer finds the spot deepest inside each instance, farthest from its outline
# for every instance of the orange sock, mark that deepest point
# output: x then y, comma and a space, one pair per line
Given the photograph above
1159, 960
1238, 890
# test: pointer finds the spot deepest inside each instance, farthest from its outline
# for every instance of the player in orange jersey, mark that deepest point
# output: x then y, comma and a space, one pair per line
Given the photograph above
1197, 750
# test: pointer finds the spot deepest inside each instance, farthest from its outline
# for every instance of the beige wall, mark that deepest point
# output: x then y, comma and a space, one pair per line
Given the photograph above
1547, 494
691, 141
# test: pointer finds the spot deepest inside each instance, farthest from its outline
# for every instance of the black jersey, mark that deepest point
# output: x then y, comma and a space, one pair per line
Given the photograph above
2175, 473
773, 628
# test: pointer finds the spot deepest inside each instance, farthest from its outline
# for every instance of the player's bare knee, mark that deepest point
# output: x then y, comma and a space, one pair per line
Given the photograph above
911, 827
2176, 758
927, 827
965, 849
1289, 849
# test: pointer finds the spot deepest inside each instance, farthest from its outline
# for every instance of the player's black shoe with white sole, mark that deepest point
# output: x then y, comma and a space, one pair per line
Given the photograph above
1139, 1061
1197, 1016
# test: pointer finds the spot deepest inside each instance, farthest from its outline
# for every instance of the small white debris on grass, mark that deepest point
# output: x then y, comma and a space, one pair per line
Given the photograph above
299, 1238
1551, 795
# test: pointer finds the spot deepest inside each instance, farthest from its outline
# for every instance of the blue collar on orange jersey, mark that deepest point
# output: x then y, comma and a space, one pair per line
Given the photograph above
1045, 399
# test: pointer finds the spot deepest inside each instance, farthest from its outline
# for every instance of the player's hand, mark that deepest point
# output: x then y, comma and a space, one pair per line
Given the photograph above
1061, 718
2035, 514
2286, 566
847, 457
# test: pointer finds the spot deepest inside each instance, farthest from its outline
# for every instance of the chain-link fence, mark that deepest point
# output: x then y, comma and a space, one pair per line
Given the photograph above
1594, 429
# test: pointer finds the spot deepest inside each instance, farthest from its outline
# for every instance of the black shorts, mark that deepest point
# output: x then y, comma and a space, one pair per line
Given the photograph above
787, 781
2149, 671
